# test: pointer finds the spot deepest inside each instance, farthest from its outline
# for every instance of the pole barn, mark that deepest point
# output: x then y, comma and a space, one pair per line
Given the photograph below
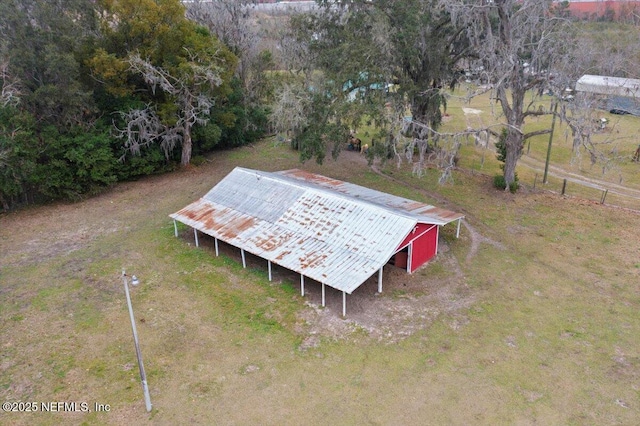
331, 231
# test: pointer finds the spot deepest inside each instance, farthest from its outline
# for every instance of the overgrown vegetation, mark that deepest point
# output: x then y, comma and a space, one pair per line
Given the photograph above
69, 81
99, 92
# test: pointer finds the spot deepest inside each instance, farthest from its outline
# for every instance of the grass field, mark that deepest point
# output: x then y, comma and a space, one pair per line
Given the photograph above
531, 317
618, 142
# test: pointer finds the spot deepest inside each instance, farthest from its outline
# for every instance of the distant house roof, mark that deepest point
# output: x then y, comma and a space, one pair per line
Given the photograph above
334, 232
597, 8
611, 86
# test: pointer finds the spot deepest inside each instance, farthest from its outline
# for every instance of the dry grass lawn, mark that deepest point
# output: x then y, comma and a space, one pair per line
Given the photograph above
531, 317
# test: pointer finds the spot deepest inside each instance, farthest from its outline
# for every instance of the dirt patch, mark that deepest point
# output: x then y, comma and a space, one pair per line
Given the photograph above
407, 304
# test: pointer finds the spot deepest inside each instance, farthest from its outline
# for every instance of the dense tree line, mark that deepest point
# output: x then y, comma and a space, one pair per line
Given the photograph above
97, 92
94, 92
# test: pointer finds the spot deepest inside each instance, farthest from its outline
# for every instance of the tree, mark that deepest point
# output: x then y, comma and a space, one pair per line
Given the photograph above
49, 145
518, 43
171, 70
43, 44
377, 53
235, 24
190, 91
230, 22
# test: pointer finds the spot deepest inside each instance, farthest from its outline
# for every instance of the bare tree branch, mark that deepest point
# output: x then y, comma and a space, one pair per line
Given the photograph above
10, 93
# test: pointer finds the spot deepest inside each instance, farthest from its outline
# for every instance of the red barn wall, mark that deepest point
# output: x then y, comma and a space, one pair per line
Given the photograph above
424, 248
424, 245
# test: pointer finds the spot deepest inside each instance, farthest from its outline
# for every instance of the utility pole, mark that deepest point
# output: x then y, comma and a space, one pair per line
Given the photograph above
553, 126
143, 376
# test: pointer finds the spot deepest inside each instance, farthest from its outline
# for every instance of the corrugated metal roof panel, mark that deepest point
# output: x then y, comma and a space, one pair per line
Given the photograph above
420, 211
304, 225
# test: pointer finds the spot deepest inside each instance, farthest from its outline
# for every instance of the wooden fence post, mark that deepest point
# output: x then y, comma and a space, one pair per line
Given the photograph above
604, 195
564, 186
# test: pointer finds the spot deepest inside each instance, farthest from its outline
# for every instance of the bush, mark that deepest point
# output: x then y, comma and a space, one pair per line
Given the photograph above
500, 183
72, 165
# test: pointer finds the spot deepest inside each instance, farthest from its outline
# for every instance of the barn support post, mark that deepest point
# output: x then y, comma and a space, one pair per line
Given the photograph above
269, 267
409, 254
215, 242
344, 304
323, 304
175, 228
380, 280
302, 284
244, 260
458, 231
195, 232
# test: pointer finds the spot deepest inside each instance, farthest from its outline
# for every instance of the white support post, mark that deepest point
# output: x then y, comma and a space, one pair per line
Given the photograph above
323, 304
269, 266
215, 241
380, 280
344, 304
302, 284
458, 231
195, 232
175, 228
409, 253
244, 261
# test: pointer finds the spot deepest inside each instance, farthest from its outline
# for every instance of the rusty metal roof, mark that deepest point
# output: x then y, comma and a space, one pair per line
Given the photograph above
328, 230
423, 213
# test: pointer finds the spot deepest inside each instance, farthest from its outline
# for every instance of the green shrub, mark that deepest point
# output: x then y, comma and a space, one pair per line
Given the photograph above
501, 155
500, 183
71, 165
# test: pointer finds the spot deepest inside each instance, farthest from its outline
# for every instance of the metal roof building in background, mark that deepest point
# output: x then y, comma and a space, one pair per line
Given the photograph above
612, 86
331, 231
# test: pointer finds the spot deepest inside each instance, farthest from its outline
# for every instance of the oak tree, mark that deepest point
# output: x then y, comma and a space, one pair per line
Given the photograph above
517, 44
173, 70
379, 60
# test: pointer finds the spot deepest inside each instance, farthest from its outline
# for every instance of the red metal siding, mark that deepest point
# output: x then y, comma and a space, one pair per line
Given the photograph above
419, 229
401, 259
424, 248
